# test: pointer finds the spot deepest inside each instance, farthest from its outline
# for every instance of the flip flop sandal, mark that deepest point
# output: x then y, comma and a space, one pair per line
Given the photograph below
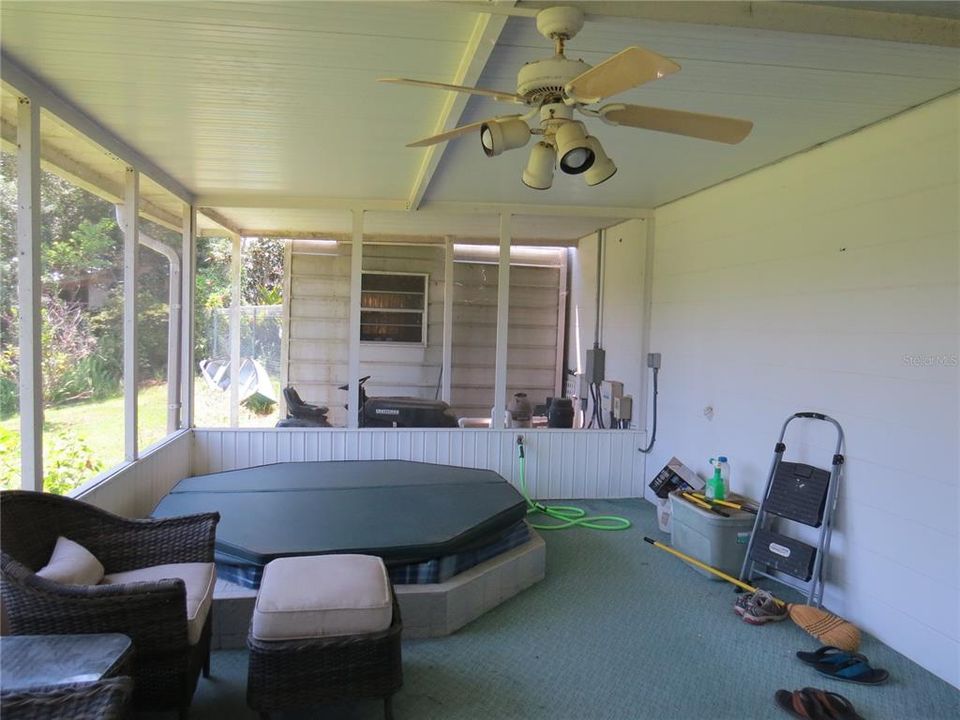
800, 704
855, 669
828, 654
833, 705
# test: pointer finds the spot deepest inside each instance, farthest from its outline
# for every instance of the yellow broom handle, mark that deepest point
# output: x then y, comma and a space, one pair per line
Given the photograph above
695, 501
704, 566
735, 506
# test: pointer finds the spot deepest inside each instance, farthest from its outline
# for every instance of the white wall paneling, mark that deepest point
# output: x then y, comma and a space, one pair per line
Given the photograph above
829, 282
318, 304
560, 463
623, 311
534, 308
134, 489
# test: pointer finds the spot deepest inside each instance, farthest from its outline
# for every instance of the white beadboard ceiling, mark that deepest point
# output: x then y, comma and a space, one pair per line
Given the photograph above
279, 100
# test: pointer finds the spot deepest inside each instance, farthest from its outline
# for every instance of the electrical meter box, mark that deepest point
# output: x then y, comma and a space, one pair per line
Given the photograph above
596, 365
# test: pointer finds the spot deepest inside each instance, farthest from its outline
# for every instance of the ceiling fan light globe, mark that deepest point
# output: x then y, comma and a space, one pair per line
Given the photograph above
602, 169
539, 171
577, 161
486, 140
576, 155
507, 134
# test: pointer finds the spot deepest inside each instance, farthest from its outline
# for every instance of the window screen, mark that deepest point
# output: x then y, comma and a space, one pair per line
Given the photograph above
393, 307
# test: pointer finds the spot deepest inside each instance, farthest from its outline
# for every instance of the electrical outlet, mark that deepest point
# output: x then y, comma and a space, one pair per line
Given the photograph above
653, 360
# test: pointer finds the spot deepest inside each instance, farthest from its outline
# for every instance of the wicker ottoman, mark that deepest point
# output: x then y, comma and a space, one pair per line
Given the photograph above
324, 628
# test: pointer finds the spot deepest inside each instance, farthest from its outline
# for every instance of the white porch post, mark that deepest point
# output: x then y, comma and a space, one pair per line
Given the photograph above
446, 368
188, 284
285, 323
131, 261
28, 295
353, 357
503, 312
235, 331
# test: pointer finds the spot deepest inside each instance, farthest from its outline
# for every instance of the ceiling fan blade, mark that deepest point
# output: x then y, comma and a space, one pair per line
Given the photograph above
679, 122
456, 132
495, 94
627, 69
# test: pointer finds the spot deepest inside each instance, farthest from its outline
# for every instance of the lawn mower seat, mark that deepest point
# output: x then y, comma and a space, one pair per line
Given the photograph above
297, 408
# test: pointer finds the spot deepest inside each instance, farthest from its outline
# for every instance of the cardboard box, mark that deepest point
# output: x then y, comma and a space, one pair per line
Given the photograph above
675, 476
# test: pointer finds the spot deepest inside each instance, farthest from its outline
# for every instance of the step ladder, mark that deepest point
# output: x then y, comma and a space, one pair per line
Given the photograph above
803, 494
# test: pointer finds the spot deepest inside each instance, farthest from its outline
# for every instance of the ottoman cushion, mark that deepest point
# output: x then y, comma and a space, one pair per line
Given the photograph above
322, 596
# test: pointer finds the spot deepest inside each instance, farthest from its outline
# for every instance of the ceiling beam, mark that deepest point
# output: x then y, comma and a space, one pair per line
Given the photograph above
295, 202
76, 173
220, 220
378, 238
796, 17
300, 202
483, 39
48, 99
484, 208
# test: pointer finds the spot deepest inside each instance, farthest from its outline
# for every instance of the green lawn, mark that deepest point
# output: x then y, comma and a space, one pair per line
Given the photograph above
88, 437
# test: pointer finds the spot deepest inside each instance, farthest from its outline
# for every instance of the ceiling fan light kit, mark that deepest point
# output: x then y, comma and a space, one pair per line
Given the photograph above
603, 167
576, 155
539, 171
557, 86
505, 134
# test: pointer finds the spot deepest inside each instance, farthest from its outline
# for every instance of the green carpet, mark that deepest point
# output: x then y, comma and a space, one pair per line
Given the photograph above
618, 629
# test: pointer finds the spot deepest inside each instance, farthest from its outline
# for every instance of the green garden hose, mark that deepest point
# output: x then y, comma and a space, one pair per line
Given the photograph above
566, 515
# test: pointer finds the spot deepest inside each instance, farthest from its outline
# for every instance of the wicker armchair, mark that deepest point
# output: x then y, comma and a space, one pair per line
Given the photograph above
152, 614
107, 699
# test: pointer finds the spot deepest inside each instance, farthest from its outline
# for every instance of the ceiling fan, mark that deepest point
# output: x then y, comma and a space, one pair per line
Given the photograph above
556, 87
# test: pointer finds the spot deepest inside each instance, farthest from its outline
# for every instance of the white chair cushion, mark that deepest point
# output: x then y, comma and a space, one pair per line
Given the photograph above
322, 596
72, 564
199, 579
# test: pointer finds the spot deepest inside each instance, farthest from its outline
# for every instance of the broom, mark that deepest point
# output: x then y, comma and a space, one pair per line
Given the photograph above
825, 626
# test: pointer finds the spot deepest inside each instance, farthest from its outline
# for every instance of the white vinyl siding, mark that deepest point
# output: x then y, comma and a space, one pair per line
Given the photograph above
319, 312
532, 344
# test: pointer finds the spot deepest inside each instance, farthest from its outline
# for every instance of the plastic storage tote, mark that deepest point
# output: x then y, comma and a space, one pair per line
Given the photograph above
718, 541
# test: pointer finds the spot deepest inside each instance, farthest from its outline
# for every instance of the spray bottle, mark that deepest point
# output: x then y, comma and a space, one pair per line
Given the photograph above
720, 462
714, 489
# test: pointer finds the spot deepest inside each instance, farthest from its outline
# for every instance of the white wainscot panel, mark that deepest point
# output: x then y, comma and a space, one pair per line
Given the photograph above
134, 489
560, 463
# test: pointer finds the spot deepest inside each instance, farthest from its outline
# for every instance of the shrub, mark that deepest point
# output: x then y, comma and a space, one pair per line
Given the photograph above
68, 461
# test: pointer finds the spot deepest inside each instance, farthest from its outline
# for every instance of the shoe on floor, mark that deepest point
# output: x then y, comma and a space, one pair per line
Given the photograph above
743, 601
763, 608
816, 704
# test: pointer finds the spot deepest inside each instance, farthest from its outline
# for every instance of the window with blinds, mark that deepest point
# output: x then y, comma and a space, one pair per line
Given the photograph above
393, 307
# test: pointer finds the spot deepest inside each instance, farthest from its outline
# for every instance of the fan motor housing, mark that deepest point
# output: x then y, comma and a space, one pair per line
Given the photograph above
545, 79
